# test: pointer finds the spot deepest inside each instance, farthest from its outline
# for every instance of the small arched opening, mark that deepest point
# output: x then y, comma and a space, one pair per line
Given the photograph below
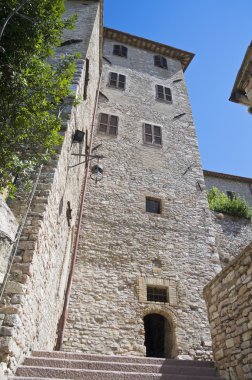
159, 336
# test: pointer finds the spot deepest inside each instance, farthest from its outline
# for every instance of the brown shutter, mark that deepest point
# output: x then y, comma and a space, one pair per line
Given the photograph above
160, 92
148, 133
164, 62
124, 51
121, 81
168, 95
117, 50
103, 123
113, 125
113, 79
157, 60
157, 135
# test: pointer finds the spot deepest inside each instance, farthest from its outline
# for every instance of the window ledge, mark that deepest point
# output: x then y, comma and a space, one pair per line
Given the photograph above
164, 101
152, 146
116, 88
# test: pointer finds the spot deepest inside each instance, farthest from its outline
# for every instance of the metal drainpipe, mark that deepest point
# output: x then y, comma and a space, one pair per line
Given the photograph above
62, 321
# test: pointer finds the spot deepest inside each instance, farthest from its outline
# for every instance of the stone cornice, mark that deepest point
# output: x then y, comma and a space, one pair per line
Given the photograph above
157, 48
244, 75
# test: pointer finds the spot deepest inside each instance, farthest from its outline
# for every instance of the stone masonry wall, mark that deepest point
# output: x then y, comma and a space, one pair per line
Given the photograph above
229, 301
34, 294
123, 248
232, 236
8, 230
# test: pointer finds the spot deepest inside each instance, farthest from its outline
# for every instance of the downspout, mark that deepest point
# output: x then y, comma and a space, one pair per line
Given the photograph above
63, 319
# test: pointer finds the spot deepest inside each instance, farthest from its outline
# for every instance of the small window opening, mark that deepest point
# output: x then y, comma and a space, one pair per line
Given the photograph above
231, 195
117, 81
160, 61
86, 80
163, 93
156, 294
120, 50
153, 205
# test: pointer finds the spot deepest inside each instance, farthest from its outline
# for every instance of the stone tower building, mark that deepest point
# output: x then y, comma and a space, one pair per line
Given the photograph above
147, 242
147, 245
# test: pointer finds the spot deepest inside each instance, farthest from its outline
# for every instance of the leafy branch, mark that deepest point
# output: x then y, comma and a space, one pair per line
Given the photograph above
235, 206
32, 86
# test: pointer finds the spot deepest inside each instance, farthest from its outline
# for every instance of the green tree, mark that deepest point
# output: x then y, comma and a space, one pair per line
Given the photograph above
32, 84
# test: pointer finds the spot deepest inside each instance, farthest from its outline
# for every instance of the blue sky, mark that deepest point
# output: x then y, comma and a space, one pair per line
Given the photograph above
218, 32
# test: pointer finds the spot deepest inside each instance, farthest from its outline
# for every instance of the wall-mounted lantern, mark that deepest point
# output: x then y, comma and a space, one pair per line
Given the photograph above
78, 136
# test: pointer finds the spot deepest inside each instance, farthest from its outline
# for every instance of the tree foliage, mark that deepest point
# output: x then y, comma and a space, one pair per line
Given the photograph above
220, 202
32, 85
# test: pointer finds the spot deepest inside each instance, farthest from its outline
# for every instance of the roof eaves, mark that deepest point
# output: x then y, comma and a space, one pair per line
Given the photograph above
227, 176
238, 92
181, 55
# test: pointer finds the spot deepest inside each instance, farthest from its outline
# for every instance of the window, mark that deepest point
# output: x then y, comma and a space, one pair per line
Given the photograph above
120, 50
153, 205
152, 134
160, 61
117, 80
157, 294
108, 124
86, 80
231, 195
163, 93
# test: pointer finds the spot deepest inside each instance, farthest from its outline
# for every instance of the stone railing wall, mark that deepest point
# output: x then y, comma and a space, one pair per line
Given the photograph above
232, 236
8, 230
229, 301
34, 293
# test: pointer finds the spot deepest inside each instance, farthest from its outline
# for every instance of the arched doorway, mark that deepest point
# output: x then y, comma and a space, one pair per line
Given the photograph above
158, 336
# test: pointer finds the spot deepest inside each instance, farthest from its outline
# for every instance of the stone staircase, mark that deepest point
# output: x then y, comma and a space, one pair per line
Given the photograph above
63, 365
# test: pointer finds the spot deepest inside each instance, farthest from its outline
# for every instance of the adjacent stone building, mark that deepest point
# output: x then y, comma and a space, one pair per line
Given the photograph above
232, 234
231, 185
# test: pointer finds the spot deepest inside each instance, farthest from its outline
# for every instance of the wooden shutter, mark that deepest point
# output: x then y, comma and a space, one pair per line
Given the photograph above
113, 79
148, 133
164, 63
157, 60
104, 118
113, 125
124, 51
117, 50
160, 92
157, 140
121, 81
168, 95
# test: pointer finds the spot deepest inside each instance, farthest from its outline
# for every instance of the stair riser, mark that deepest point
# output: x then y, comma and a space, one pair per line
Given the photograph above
121, 359
100, 375
123, 367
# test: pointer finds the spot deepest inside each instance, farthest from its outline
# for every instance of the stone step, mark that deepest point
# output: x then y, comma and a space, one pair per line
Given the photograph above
119, 366
120, 358
60, 373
